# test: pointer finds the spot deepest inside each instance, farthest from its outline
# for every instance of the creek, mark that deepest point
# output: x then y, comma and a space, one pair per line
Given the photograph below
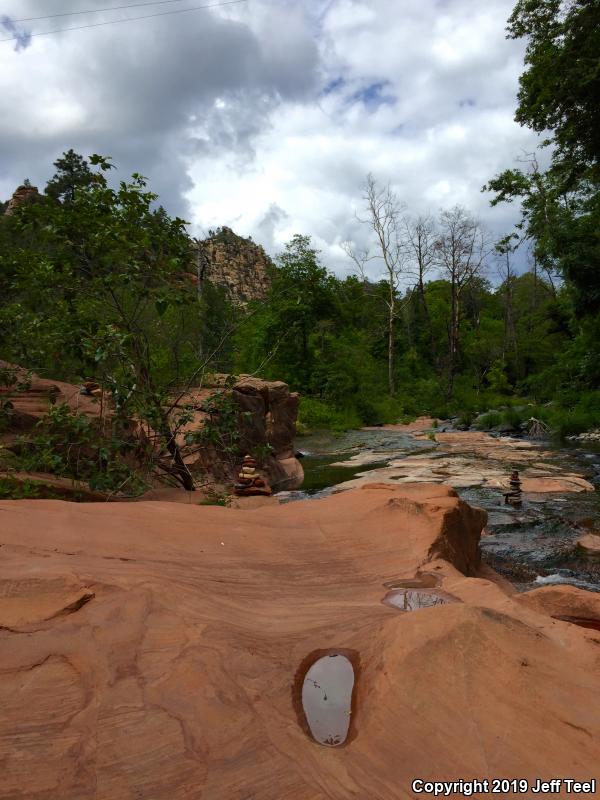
533, 546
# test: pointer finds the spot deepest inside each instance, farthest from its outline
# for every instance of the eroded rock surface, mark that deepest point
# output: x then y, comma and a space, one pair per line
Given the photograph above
181, 678
467, 459
590, 544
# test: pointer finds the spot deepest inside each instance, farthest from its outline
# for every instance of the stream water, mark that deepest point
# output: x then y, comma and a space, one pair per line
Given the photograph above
532, 546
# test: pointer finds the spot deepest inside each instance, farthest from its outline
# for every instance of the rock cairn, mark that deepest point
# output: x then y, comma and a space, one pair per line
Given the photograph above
514, 496
249, 482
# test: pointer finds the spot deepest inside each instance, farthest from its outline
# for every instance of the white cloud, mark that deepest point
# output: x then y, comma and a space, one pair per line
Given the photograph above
267, 116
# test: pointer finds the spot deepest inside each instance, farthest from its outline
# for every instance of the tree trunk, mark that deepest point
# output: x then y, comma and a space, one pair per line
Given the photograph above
179, 470
391, 336
427, 316
454, 332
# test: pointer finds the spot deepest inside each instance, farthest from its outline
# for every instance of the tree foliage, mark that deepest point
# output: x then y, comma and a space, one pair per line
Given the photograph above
560, 97
97, 285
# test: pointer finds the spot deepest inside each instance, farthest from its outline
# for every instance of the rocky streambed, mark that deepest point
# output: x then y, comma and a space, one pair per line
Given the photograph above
535, 545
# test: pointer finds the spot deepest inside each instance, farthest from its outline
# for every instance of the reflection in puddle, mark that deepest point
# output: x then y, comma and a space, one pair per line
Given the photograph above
327, 699
413, 599
425, 580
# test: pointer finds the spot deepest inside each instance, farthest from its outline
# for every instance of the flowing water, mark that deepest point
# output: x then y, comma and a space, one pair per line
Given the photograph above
533, 545
323, 454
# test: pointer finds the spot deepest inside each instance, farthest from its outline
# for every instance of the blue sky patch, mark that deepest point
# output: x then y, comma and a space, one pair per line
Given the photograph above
374, 95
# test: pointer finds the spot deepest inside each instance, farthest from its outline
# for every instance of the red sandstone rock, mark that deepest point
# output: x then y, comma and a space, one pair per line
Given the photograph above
30, 405
563, 600
418, 425
22, 195
590, 544
179, 678
272, 422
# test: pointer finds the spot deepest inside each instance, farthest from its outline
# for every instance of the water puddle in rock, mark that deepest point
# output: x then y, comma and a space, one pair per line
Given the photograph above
415, 599
327, 699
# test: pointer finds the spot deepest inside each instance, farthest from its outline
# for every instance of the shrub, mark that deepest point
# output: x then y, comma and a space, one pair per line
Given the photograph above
71, 445
489, 420
317, 415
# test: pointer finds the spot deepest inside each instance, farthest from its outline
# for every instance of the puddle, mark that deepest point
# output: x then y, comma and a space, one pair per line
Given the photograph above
583, 622
327, 699
404, 599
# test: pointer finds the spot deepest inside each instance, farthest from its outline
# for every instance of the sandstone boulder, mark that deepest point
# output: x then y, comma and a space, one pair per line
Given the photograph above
590, 545
32, 401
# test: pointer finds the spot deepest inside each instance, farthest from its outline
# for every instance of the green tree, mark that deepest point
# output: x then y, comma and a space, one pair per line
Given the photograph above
277, 337
100, 286
560, 94
72, 173
560, 87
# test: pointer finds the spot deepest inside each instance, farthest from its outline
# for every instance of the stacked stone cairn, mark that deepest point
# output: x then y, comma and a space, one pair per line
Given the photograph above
514, 497
249, 483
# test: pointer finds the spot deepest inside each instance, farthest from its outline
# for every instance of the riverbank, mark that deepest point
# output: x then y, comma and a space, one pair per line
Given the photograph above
531, 545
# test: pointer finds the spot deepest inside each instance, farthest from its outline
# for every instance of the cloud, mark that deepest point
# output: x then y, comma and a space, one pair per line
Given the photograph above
267, 117
154, 94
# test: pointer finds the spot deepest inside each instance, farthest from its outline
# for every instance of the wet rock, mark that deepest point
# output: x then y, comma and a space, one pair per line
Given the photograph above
405, 599
564, 483
590, 545
476, 459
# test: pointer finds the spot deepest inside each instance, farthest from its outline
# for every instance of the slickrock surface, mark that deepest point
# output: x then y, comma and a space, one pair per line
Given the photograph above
465, 459
155, 651
416, 426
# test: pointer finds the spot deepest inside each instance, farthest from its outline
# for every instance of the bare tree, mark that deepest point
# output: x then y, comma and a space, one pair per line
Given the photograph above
383, 215
421, 240
504, 251
462, 250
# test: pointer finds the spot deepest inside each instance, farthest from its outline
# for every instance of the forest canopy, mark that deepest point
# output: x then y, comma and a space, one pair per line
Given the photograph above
95, 280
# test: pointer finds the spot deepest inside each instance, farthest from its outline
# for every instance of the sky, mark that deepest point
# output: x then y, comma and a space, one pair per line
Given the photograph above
267, 115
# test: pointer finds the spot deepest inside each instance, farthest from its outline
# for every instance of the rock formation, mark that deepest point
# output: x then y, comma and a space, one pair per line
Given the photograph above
158, 650
267, 425
23, 194
466, 459
266, 419
238, 265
